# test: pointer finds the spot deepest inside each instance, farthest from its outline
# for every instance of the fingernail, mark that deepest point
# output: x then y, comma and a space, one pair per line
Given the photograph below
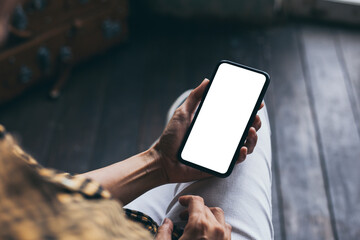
166, 221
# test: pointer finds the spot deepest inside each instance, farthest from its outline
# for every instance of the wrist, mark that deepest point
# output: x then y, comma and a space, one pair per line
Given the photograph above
155, 164
128, 179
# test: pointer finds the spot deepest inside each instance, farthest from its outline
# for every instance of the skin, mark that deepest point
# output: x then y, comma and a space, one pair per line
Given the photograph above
130, 178
203, 222
159, 165
174, 133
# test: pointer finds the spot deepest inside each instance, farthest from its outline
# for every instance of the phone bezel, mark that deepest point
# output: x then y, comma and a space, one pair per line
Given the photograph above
245, 133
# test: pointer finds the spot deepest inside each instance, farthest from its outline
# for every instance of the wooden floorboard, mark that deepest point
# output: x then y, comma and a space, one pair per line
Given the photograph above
253, 55
115, 106
32, 119
276, 194
118, 132
303, 197
336, 127
72, 145
157, 93
348, 49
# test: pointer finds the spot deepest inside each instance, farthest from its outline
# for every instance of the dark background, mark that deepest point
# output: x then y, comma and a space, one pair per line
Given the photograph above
115, 104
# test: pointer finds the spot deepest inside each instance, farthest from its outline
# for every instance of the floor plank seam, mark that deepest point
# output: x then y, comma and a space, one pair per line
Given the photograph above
278, 183
307, 78
92, 161
142, 127
266, 60
46, 153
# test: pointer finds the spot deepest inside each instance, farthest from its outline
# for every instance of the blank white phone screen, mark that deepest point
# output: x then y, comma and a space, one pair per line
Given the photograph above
223, 117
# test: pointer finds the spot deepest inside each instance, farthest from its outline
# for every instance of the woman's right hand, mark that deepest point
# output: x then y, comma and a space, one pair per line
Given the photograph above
203, 222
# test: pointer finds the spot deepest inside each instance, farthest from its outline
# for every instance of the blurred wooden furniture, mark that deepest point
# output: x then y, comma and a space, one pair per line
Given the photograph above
47, 37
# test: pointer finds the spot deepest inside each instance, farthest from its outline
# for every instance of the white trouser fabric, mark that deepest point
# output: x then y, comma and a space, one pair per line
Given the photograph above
245, 196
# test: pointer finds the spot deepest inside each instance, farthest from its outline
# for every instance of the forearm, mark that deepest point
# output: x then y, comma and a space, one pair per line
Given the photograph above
128, 179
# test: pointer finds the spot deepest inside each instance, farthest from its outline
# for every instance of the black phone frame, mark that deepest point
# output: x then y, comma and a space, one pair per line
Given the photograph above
245, 133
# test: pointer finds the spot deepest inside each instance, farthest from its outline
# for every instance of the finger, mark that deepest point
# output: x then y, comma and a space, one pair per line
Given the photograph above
242, 155
219, 214
261, 105
251, 140
165, 230
195, 96
228, 226
194, 203
228, 230
257, 123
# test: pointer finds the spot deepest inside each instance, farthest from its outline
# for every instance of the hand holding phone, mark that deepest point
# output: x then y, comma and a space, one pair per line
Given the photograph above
222, 122
174, 134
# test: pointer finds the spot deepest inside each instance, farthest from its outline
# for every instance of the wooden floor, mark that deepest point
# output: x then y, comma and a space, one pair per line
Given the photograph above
115, 106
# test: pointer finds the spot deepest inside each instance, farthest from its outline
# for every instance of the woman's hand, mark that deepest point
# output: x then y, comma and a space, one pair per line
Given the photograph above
128, 179
170, 140
203, 222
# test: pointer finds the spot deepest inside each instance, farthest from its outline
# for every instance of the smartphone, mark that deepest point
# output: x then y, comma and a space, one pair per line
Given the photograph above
223, 118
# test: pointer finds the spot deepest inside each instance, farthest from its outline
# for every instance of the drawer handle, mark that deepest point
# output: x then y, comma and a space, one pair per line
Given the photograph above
19, 19
25, 74
44, 59
66, 54
19, 23
111, 28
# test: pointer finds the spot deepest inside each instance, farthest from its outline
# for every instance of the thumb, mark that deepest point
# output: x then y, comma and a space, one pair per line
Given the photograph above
195, 96
165, 230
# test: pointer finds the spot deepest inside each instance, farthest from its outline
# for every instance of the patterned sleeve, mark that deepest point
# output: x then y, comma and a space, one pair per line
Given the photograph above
42, 203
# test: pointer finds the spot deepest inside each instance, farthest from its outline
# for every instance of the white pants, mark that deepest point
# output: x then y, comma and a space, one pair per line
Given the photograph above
245, 196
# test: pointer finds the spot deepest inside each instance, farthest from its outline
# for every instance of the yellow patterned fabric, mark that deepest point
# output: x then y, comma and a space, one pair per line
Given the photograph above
150, 224
41, 203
